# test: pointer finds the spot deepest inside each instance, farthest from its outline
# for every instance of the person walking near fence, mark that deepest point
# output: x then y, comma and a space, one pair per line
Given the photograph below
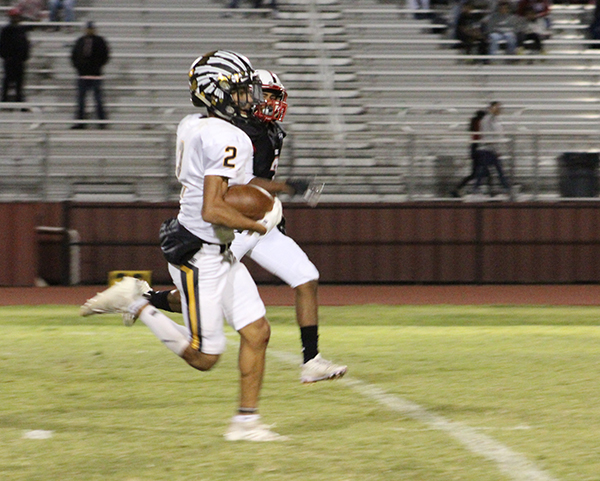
89, 55
489, 152
474, 128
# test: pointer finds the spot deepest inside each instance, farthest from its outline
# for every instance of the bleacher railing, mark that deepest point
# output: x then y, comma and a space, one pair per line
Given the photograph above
404, 163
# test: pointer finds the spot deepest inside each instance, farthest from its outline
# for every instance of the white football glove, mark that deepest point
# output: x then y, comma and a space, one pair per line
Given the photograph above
273, 217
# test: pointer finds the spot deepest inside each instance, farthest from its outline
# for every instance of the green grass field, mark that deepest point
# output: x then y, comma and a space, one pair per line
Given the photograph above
432, 394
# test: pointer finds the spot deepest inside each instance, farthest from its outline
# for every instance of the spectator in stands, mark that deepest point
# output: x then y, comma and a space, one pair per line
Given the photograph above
14, 50
66, 6
541, 9
502, 26
489, 151
534, 32
480, 10
594, 28
417, 5
31, 10
470, 32
89, 55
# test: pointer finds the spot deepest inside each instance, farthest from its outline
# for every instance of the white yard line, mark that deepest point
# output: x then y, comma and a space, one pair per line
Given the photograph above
514, 465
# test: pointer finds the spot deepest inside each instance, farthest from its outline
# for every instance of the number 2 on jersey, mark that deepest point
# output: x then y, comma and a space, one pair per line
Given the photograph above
232, 154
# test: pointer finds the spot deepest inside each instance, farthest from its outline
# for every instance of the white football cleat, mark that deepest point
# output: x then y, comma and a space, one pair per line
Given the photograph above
319, 369
252, 431
129, 318
115, 299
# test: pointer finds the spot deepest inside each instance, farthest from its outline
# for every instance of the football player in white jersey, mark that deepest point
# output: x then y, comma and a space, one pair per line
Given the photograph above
276, 252
211, 154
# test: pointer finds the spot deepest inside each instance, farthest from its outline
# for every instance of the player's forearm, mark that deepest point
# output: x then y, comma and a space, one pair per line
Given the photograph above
272, 186
216, 211
227, 216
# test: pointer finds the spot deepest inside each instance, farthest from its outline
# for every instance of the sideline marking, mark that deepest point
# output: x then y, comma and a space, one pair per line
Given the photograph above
477, 428
516, 466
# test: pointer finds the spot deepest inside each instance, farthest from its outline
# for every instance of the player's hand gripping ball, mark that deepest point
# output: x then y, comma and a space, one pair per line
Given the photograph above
251, 200
273, 217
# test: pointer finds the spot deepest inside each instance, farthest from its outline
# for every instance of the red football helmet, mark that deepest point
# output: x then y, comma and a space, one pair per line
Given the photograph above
274, 106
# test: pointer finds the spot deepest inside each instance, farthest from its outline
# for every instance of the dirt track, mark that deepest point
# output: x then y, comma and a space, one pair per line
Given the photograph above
334, 295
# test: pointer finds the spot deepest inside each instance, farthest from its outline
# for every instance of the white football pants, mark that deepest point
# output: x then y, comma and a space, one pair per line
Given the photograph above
278, 254
214, 285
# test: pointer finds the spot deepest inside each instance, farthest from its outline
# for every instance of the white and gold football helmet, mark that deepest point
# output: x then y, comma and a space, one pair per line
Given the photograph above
226, 84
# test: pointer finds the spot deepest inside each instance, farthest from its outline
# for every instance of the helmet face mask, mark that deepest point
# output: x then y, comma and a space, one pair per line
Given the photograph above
274, 107
226, 84
246, 95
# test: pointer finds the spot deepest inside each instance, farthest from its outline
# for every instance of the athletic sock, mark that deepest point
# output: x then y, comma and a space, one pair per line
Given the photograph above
159, 299
172, 335
245, 418
310, 342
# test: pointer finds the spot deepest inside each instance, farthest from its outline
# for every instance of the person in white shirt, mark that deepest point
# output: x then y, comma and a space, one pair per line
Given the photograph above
211, 154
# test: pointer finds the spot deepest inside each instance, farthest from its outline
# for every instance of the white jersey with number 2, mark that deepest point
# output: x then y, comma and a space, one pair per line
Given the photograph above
208, 146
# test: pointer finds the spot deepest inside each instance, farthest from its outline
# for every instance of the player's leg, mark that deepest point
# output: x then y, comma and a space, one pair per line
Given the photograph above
244, 242
307, 305
174, 300
201, 282
202, 341
314, 368
254, 339
282, 256
307, 317
169, 300
126, 296
245, 312
306, 312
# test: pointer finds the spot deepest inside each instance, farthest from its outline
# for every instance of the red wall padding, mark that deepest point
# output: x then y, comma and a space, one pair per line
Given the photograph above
349, 243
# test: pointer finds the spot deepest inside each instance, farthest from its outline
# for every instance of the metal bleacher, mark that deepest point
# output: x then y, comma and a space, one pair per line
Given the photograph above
379, 101
420, 94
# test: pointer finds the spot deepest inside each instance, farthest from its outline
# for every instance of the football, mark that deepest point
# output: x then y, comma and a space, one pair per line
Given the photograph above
250, 200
